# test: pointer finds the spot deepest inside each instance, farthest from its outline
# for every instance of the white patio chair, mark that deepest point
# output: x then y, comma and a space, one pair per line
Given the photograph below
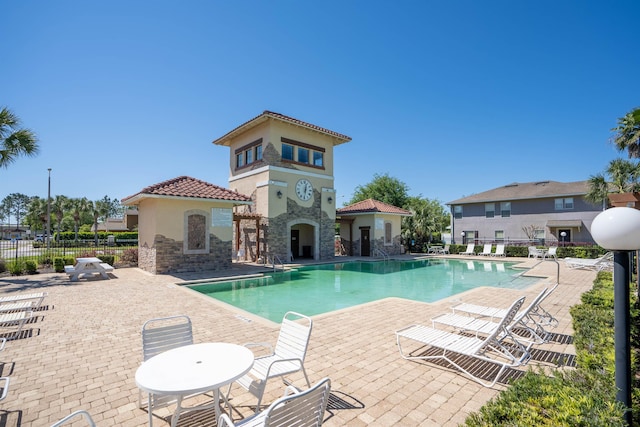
300, 409
5, 387
74, 416
535, 252
489, 349
551, 253
286, 358
445, 250
159, 335
486, 251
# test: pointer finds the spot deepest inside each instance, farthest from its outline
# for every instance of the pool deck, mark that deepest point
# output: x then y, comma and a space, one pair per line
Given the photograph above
83, 348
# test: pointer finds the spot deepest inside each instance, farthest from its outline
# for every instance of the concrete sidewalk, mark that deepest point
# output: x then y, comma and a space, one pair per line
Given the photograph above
83, 349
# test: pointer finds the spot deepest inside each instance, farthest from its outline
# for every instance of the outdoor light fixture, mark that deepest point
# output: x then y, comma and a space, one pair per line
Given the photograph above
563, 235
329, 199
48, 238
462, 234
618, 229
279, 194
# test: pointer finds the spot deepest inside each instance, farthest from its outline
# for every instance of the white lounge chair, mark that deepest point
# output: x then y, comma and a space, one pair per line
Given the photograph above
489, 349
15, 320
38, 297
486, 251
537, 313
74, 417
522, 323
286, 358
5, 387
470, 250
301, 409
499, 251
605, 262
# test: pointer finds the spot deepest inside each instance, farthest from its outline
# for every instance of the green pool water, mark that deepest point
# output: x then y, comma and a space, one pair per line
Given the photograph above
327, 287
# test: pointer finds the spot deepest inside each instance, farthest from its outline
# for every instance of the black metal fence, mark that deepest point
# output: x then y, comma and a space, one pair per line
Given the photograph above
44, 254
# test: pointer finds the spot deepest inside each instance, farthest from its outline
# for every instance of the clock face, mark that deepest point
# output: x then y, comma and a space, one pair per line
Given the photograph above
304, 189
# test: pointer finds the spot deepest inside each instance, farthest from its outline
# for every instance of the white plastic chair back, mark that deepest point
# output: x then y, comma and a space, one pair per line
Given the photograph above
293, 339
165, 333
303, 409
72, 417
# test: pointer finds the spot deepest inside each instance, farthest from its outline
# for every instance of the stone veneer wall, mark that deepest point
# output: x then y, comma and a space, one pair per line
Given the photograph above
276, 232
167, 256
395, 249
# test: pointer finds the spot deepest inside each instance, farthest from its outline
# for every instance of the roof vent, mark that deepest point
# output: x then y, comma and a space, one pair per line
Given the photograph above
541, 182
515, 184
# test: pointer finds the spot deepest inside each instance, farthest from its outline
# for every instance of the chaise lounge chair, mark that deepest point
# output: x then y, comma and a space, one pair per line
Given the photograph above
15, 320
499, 251
533, 334
486, 251
605, 262
470, 250
537, 313
441, 344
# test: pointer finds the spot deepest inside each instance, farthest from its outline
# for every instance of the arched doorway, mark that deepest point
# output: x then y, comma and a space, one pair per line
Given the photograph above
303, 239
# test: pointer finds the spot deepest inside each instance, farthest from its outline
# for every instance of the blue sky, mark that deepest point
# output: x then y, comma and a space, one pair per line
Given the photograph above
452, 98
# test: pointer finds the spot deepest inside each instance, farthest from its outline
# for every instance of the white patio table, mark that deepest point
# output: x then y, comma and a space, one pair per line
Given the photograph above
193, 369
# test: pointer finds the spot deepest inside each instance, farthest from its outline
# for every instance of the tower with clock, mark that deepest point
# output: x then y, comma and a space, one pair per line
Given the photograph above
286, 166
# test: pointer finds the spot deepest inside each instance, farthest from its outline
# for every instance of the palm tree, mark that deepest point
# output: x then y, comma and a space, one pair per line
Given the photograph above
58, 208
624, 176
627, 133
14, 141
78, 207
37, 213
99, 209
598, 190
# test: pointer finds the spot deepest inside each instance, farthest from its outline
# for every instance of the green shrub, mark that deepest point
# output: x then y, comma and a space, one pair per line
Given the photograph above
130, 256
16, 268
58, 265
106, 258
31, 267
3, 265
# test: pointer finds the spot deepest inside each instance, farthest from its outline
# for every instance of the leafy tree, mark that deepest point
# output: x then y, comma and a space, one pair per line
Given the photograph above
621, 176
627, 133
99, 209
383, 188
429, 217
37, 213
14, 141
15, 204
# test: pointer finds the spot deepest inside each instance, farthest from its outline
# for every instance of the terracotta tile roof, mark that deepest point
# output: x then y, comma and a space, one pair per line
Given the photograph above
185, 186
527, 190
372, 206
266, 115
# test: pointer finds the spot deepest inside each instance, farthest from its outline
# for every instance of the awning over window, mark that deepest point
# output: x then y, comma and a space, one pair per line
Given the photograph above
564, 223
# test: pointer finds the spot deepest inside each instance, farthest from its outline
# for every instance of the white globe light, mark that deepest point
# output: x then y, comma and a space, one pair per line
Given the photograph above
617, 229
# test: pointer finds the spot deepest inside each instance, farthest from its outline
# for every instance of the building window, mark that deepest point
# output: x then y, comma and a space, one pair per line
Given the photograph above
538, 235
564, 203
499, 235
306, 154
489, 210
245, 154
505, 209
387, 233
303, 155
287, 152
318, 159
457, 212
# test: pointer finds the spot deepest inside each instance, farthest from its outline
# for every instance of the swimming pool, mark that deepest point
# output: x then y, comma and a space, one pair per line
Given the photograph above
327, 287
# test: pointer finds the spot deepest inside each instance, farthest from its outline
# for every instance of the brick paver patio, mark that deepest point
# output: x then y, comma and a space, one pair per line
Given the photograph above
83, 348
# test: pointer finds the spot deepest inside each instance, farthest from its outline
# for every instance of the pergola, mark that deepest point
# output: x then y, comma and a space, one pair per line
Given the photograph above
237, 217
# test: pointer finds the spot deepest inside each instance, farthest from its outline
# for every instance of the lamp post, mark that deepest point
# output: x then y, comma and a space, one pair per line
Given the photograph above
462, 235
563, 235
618, 229
49, 211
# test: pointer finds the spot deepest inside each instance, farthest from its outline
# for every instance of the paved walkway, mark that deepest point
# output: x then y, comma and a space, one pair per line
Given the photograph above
83, 349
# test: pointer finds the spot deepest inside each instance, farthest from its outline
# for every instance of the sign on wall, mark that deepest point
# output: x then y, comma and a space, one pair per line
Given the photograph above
379, 223
221, 217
